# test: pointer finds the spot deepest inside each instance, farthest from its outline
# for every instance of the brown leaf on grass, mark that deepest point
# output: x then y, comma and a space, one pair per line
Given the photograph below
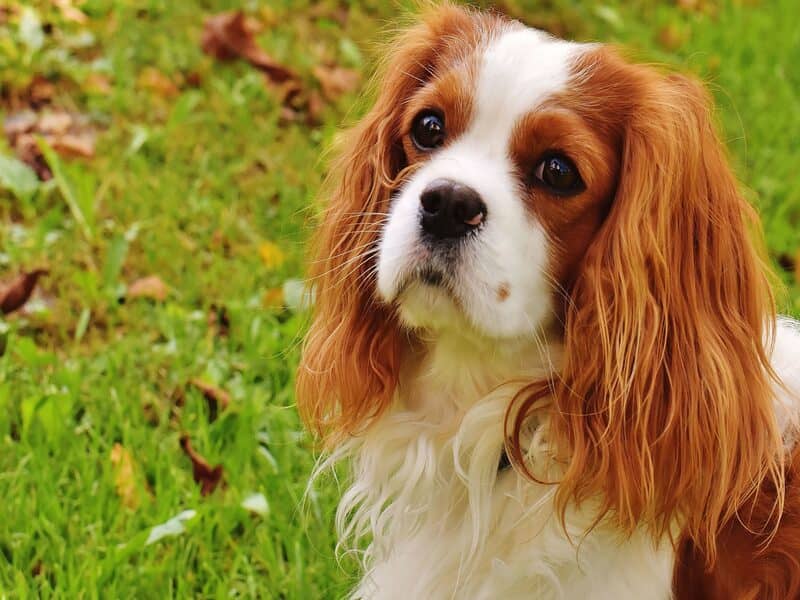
155, 81
40, 91
288, 93
229, 35
336, 81
29, 152
54, 123
16, 293
69, 134
203, 473
217, 398
18, 123
151, 287
70, 145
125, 477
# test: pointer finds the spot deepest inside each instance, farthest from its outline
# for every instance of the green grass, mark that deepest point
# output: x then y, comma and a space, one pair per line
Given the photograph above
187, 188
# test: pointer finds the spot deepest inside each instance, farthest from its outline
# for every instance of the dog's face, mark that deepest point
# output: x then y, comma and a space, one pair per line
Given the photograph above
507, 183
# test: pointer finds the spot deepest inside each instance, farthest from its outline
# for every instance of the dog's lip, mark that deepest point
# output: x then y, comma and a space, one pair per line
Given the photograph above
426, 275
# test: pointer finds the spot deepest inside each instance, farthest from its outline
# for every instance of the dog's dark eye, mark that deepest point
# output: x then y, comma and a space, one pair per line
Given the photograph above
559, 174
427, 131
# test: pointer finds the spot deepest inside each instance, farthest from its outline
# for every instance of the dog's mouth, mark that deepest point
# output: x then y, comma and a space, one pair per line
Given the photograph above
426, 276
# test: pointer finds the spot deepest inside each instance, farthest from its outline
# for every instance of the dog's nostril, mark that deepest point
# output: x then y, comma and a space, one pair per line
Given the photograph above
470, 210
431, 200
450, 209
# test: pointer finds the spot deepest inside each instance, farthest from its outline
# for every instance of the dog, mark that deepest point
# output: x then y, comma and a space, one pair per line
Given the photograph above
544, 337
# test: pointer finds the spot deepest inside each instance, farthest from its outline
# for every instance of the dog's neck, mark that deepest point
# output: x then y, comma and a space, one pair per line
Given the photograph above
444, 375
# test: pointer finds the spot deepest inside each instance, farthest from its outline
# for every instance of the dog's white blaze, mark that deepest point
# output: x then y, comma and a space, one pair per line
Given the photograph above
518, 70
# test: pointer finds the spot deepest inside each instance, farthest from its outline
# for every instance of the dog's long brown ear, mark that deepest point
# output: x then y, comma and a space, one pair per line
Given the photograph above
665, 400
350, 361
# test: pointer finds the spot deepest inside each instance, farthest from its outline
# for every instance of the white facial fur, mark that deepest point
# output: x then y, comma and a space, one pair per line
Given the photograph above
497, 280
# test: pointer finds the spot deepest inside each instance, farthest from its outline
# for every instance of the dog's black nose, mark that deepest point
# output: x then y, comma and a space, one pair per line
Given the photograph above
450, 209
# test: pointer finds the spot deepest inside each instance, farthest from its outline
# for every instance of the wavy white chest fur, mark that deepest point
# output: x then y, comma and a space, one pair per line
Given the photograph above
444, 523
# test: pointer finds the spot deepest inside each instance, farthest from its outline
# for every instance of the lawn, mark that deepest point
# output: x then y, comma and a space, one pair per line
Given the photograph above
202, 176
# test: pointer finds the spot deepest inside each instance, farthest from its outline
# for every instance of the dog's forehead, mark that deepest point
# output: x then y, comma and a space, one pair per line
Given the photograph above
519, 69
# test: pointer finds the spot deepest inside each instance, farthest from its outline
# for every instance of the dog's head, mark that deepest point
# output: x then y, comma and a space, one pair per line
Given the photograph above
506, 183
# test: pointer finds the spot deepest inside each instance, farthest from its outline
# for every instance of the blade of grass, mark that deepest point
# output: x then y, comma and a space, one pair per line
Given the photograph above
68, 190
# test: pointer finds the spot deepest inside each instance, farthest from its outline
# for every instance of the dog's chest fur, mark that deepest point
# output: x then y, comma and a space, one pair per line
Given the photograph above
446, 522
443, 519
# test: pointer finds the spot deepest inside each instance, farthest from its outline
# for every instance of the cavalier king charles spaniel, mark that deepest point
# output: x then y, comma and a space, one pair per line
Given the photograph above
544, 339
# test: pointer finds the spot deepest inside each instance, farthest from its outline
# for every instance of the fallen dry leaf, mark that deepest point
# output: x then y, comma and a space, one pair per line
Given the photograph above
74, 145
336, 81
18, 123
155, 81
228, 35
271, 254
204, 474
16, 293
69, 134
125, 477
29, 152
40, 91
217, 398
289, 92
54, 123
151, 287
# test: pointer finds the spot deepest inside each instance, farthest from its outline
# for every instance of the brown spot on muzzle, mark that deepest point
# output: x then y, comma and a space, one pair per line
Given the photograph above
503, 292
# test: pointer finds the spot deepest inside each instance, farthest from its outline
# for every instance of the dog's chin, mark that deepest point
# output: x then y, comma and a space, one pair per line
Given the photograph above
427, 303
